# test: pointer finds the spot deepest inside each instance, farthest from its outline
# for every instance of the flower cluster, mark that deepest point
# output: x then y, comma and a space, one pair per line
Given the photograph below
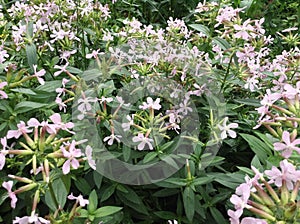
273, 200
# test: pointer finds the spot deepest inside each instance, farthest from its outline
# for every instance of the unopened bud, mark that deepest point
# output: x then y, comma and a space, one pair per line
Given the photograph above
21, 179
25, 188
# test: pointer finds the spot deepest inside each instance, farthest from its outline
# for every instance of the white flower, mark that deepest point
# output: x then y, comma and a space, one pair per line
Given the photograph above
225, 129
143, 141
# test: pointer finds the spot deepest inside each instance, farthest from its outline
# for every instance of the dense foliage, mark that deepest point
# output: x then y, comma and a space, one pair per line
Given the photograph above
145, 111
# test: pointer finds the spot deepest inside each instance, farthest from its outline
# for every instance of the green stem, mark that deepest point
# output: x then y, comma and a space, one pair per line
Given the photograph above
227, 72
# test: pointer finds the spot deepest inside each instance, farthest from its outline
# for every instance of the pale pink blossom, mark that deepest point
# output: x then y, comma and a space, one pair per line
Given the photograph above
288, 173
31, 219
3, 95
22, 129
56, 119
251, 220
82, 202
126, 126
8, 186
3, 152
151, 104
287, 146
71, 154
62, 69
110, 139
143, 141
89, 157
39, 74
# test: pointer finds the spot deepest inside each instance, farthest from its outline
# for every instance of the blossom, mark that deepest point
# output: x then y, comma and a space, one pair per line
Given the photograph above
31, 219
288, 174
3, 152
126, 126
143, 141
82, 202
33, 122
250, 220
151, 104
84, 103
22, 129
243, 30
8, 186
56, 119
3, 95
71, 154
61, 104
111, 139
39, 74
88, 153
61, 91
94, 54
3, 55
287, 146
225, 129
62, 69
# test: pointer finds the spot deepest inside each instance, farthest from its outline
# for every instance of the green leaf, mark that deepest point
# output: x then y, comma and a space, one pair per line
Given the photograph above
83, 185
107, 192
201, 28
74, 70
97, 178
202, 180
31, 55
106, 211
149, 157
93, 202
249, 102
126, 153
223, 44
26, 106
165, 215
59, 195
91, 74
189, 203
260, 148
166, 192
172, 183
83, 213
24, 91
217, 215
50, 86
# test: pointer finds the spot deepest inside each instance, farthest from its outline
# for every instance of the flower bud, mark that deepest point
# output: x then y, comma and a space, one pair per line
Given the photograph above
21, 179
27, 187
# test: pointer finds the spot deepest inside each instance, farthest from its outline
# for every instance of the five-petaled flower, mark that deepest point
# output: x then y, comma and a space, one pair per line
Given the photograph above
151, 104
225, 129
71, 153
82, 202
8, 186
143, 141
287, 146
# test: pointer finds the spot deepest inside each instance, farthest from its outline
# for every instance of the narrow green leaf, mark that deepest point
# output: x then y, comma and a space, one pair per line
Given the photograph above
31, 55
201, 28
189, 203
223, 44
26, 106
106, 211
149, 157
93, 202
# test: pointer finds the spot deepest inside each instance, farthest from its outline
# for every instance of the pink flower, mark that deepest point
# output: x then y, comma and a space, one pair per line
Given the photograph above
84, 103
287, 147
88, 153
151, 104
56, 119
250, 220
62, 69
82, 202
143, 141
3, 95
33, 122
226, 129
243, 30
39, 74
61, 91
111, 139
288, 173
3, 55
22, 129
8, 186
234, 216
126, 126
94, 54
3, 152
71, 154
61, 104
31, 219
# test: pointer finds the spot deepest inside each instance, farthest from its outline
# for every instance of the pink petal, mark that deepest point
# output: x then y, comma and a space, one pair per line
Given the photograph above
66, 167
